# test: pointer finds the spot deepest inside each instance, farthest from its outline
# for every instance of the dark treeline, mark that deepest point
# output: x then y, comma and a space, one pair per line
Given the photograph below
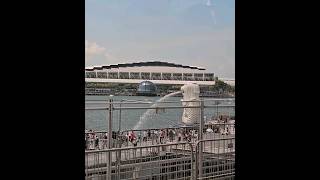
220, 87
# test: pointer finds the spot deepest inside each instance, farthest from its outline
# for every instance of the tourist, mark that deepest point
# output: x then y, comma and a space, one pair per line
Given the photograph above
209, 130
129, 136
179, 136
114, 135
161, 136
188, 137
149, 134
224, 131
139, 136
134, 139
96, 142
92, 145
193, 133
166, 132
134, 142
174, 134
155, 136
171, 135
145, 136
132, 136
105, 140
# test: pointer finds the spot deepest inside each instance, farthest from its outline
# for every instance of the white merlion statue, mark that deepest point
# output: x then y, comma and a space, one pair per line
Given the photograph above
190, 92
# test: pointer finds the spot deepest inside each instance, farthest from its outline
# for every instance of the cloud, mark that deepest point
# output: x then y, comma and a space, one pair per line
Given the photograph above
213, 50
92, 48
96, 54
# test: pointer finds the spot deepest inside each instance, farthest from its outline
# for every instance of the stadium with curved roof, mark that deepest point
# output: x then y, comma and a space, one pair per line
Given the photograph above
155, 71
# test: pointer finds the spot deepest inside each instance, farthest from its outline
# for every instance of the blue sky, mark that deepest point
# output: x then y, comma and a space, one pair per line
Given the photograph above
190, 32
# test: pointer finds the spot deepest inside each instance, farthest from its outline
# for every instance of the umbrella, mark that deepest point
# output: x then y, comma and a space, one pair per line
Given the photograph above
209, 130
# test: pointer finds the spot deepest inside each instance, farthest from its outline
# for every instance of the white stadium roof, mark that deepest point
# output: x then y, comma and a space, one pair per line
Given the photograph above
150, 66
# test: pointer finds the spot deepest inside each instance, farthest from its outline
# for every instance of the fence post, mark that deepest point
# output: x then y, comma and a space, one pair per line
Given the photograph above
109, 141
201, 137
192, 163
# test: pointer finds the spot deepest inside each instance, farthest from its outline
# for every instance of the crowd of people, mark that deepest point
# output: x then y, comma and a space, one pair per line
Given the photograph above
98, 140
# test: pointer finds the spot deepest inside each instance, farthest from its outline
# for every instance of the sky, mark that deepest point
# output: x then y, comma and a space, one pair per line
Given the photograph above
188, 32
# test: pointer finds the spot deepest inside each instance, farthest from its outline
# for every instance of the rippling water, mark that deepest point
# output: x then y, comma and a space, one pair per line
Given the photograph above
97, 119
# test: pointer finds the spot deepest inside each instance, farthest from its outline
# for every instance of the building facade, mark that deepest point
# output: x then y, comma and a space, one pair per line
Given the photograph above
153, 70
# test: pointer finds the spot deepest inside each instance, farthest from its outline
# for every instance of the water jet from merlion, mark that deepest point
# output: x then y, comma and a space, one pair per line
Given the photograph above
190, 116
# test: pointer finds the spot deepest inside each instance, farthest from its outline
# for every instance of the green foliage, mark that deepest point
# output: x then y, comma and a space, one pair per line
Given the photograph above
221, 87
110, 85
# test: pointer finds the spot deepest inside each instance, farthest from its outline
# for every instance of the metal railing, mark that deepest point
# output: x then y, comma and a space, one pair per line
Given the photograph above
215, 158
203, 155
163, 161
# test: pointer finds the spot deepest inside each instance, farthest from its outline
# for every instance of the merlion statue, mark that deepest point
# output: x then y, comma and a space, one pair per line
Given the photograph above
190, 92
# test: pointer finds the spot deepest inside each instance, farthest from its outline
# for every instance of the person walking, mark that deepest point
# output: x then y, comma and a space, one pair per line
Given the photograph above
96, 142
161, 136
145, 136
149, 134
105, 140
179, 136
170, 134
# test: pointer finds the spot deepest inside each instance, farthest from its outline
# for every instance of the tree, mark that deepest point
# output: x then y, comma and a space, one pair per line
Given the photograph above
221, 86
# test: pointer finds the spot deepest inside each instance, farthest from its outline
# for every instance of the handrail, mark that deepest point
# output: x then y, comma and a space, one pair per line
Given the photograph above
158, 107
137, 147
149, 102
219, 139
152, 129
